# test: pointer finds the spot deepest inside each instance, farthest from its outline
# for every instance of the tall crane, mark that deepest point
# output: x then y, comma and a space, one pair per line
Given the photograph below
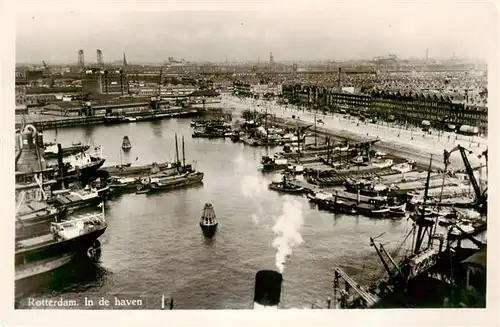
481, 196
158, 93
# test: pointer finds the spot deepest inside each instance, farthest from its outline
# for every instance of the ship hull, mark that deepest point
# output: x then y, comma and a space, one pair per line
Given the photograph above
284, 189
85, 173
209, 230
137, 170
38, 260
172, 183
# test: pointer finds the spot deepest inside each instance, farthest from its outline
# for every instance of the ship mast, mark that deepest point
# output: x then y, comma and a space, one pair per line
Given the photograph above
176, 152
183, 153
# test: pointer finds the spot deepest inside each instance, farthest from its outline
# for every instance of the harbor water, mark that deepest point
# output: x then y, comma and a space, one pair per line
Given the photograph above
154, 245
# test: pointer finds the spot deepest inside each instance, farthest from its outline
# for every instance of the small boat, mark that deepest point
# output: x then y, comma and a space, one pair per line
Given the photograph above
131, 119
295, 169
269, 164
120, 185
382, 163
342, 206
126, 145
467, 228
319, 197
398, 210
235, 137
443, 221
208, 221
285, 186
372, 209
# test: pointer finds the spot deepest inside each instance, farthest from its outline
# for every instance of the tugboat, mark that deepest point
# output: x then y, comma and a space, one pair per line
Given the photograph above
285, 186
208, 221
126, 144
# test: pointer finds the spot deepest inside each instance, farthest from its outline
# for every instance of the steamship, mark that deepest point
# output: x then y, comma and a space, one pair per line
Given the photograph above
76, 237
45, 237
83, 164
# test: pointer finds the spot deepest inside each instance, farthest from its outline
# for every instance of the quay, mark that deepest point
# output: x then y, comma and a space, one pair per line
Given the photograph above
396, 150
43, 121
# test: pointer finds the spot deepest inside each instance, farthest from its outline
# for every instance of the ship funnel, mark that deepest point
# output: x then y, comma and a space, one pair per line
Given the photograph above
267, 289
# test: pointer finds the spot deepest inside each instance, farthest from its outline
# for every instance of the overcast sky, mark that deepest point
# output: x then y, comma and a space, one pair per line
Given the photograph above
326, 30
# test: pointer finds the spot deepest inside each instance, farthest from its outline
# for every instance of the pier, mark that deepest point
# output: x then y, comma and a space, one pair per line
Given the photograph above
53, 121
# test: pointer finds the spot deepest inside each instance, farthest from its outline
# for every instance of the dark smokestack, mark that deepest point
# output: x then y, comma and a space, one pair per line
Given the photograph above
267, 288
339, 83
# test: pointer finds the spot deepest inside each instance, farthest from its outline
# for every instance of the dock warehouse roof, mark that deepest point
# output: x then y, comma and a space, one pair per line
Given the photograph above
62, 106
45, 90
204, 93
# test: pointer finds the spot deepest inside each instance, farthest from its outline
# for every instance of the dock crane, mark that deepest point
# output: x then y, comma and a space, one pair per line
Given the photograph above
481, 196
156, 105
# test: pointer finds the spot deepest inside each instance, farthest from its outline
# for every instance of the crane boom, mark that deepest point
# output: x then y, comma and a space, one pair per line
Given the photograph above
480, 196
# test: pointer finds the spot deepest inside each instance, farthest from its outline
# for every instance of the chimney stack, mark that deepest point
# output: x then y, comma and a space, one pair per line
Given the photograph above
267, 292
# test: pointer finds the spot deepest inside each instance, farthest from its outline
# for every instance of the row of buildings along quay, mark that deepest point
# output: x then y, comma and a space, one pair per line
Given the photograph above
448, 95
127, 174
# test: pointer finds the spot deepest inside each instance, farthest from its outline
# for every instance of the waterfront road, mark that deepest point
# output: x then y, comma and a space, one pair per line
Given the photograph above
409, 143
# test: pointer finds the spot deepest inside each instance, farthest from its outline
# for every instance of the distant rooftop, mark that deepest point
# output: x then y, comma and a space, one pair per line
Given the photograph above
46, 90
204, 93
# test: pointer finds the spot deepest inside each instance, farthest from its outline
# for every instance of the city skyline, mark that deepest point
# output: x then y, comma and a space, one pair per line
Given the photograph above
336, 31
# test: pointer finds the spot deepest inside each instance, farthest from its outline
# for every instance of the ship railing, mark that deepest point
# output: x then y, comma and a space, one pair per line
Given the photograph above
92, 219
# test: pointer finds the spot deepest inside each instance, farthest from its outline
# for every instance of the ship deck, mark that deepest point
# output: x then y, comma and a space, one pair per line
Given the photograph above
32, 210
35, 241
40, 241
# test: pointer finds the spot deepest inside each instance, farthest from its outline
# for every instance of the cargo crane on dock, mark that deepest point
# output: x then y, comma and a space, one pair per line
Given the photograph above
155, 105
481, 202
400, 274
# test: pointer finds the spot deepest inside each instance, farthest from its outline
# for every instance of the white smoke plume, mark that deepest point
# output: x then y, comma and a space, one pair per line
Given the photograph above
287, 231
287, 225
252, 187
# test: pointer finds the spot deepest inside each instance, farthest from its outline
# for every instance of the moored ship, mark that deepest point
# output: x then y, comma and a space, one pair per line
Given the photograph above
51, 150
65, 241
182, 175
285, 186
208, 221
